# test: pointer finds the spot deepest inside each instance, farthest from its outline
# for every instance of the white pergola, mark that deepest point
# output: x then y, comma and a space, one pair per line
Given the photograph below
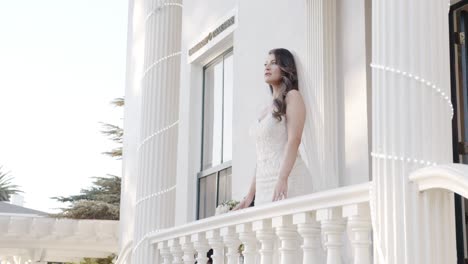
37, 239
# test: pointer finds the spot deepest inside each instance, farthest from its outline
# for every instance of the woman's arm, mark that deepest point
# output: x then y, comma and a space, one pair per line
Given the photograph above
250, 195
295, 116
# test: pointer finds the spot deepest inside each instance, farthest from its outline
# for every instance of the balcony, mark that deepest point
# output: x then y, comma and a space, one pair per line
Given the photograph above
304, 229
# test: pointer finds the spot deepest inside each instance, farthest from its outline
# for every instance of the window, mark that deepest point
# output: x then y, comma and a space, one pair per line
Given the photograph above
214, 179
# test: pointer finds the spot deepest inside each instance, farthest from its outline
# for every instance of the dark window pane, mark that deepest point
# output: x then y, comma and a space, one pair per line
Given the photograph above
201, 201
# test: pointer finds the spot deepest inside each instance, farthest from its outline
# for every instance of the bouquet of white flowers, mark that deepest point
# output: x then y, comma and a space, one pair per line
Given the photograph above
226, 206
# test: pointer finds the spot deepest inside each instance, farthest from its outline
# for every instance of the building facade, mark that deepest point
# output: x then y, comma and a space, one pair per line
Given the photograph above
375, 76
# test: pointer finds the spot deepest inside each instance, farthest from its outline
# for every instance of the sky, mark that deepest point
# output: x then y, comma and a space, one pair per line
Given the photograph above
61, 64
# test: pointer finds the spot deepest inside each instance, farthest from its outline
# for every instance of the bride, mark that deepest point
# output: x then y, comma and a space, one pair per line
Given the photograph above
280, 171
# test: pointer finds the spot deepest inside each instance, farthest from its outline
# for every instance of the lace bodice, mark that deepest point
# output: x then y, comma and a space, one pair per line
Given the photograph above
271, 137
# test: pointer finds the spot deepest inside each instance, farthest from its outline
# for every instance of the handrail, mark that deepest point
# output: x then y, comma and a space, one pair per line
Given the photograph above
123, 254
452, 177
354, 194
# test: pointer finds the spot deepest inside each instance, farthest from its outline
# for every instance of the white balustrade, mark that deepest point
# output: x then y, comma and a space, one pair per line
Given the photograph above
248, 238
201, 246
216, 243
232, 243
266, 235
176, 251
309, 229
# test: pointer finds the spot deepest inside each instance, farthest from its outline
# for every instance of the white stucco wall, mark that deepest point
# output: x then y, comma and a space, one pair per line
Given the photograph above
352, 71
263, 25
199, 17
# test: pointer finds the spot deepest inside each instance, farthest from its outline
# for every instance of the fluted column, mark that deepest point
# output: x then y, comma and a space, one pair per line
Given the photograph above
157, 144
411, 127
319, 89
411, 117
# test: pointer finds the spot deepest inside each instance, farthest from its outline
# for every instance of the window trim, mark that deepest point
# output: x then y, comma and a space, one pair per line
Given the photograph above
224, 164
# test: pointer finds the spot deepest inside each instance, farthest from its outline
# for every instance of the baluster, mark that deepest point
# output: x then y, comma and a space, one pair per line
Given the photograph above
216, 243
176, 251
165, 252
189, 251
201, 246
309, 229
266, 236
232, 243
359, 223
333, 226
286, 232
247, 237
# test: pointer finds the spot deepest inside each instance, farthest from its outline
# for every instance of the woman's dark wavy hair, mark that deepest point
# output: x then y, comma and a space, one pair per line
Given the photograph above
289, 81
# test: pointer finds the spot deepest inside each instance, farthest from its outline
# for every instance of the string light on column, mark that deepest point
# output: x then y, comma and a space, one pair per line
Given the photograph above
418, 79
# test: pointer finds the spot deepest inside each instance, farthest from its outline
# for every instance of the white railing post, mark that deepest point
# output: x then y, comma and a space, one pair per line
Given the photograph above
216, 243
165, 252
189, 251
359, 223
176, 251
333, 226
201, 246
309, 229
247, 237
286, 232
266, 236
232, 243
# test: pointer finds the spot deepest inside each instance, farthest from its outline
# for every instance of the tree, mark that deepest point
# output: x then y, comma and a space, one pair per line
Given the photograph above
6, 187
115, 133
100, 201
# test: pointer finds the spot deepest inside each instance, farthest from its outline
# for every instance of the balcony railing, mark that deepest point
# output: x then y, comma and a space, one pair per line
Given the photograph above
306, 229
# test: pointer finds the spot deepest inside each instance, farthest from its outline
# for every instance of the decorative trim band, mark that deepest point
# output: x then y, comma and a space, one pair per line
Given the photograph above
401, 158
419, 79
155, 194
156, 133
159, 61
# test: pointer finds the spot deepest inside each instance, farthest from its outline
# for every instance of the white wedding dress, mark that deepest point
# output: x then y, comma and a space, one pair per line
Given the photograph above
271, 137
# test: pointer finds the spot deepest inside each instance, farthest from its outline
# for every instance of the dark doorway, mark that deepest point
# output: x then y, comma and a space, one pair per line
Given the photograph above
458, 23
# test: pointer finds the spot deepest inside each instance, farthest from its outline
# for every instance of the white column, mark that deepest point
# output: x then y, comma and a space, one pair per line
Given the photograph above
231, 240
266, 236
309, 229
319, 89
216, 243
157, 143
287, 234
411, 127
247, 237
333, 227
360, 227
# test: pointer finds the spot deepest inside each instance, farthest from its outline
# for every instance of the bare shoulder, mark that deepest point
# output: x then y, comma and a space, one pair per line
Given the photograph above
294, 96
